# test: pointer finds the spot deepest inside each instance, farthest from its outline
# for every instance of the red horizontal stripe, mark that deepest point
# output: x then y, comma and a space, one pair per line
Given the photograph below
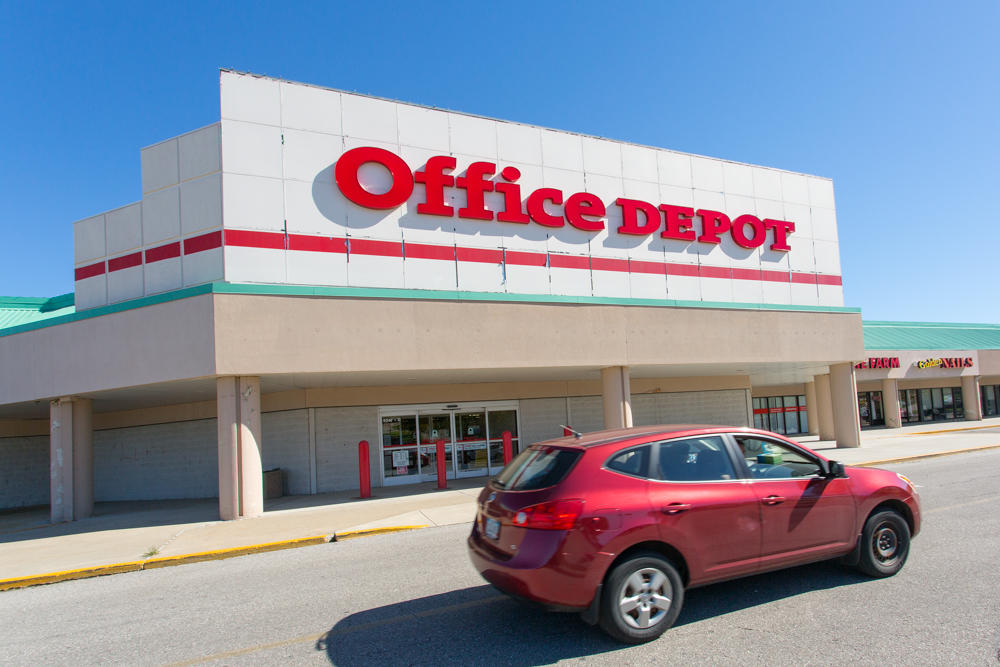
774, 276
425, 251
163, 252
124, 262
746, 274
89, 271
639, 266
203, 242
605, 264
316, 243
484, 255
524, 258
245, 238
804, 278
569, 262
715, 272
828, 280
682, 270
380, 248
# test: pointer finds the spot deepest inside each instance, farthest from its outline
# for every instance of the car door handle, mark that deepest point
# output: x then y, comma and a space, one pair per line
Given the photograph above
676, 508
773, 500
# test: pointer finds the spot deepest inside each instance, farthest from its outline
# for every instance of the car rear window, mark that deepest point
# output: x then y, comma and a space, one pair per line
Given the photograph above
537, 468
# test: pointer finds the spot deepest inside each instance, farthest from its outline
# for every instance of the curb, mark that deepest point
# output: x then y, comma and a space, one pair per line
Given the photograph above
917, 457
365, 532
155, 563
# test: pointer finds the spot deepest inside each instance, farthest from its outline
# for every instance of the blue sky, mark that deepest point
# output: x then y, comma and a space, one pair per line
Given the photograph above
898, 103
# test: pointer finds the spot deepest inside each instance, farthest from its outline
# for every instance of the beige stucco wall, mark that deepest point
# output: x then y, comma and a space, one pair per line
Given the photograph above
271, 334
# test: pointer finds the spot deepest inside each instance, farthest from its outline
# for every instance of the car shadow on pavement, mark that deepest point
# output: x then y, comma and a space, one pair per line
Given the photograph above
479, 625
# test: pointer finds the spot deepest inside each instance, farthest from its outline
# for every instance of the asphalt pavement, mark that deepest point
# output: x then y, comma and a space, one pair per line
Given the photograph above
129, 536
413, 598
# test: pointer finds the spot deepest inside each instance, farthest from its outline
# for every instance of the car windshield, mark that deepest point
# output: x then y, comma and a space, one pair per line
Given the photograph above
536, 468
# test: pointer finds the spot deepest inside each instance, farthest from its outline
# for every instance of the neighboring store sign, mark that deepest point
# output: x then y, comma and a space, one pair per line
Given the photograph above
878, 362
945, 362
548, 207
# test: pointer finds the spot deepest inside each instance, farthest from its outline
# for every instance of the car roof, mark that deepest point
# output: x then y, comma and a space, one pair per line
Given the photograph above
641, 433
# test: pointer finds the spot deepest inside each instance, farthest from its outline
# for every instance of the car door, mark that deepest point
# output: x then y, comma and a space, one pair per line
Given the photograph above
804, 515
705, 509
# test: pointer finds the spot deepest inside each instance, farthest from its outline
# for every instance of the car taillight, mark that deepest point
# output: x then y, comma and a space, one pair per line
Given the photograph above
555, 515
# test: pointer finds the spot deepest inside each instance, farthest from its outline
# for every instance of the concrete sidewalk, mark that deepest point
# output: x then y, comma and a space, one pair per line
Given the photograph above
126, 536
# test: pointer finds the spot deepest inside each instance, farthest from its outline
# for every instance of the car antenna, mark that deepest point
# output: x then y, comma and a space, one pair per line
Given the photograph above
567, 431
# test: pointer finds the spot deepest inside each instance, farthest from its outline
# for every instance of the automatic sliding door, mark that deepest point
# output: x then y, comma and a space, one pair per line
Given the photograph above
471, 451
435, 427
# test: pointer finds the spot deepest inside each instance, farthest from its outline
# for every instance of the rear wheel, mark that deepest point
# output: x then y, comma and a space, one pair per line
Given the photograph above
641, 598
885, 544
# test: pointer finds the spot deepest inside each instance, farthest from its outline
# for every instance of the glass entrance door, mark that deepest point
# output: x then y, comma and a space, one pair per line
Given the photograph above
435, 427
471, 452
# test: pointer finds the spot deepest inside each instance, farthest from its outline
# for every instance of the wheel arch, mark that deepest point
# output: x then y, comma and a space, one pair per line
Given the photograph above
668, 551
897, 506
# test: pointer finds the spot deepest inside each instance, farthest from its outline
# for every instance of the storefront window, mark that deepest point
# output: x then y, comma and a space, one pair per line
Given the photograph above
991, 395
870, 410
781, 414
803, 415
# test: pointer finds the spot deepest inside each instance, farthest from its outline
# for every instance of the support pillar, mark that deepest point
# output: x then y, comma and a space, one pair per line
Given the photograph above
824, 408
241, 485
617, 396
71, 459
890, 403
971, 398
811, 408
844, 397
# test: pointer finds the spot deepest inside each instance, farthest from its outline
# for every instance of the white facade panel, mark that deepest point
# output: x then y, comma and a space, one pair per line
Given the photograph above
310, 108
480, 276
706, 174
163, 276
251, 149
794, 188
766, 183
91, 292
526, 279
202, 267
254, 265
639, 163
602, 157
561, 150
366, 118
201, 204
683, 288
316, 268
613, 284
159, 166
89, 240
821, 192
254, 202
519, 143
200, 152
254, 99
748, 291
125, 284
375, 271
738, 179
161, 216
824, 224
310, 154
831, 295
572, 282
422, 128
716, 289
124, 227
429, 274
805, 295
674, 169
473, 136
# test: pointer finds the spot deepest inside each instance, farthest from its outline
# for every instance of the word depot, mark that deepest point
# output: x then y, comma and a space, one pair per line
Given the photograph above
545, 206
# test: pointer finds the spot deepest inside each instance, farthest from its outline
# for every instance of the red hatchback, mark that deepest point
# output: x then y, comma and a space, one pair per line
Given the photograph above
617, 524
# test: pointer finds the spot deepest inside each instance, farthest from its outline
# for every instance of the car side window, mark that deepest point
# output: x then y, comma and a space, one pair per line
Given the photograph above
767, 459
694, 460
633, 461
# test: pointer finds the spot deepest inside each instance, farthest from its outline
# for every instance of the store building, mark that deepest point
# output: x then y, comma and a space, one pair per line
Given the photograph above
320, 268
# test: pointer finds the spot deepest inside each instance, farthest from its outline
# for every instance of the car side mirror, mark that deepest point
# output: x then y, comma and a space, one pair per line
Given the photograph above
834, 469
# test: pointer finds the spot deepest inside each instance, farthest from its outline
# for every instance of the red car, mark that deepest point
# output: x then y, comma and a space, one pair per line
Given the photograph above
617, 524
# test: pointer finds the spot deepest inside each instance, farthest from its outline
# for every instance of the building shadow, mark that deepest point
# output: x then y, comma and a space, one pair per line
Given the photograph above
479, 625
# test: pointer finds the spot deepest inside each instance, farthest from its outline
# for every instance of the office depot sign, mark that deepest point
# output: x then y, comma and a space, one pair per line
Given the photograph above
548, 207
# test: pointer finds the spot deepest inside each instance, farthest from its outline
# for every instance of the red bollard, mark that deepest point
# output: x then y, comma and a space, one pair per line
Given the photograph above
567, 431
365, 469
442, 474
508, 447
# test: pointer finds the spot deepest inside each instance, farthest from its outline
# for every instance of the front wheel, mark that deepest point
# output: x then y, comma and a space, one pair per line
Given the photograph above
885, 544
642, 597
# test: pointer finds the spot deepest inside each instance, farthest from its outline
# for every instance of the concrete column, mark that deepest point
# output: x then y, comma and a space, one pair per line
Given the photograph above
617, 395
241, 485
811, 408
890, 403
824, 408
71, 459
971, 398
844, 397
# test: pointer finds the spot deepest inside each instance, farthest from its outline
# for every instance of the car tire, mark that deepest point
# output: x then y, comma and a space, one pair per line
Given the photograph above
885, 544
641, 598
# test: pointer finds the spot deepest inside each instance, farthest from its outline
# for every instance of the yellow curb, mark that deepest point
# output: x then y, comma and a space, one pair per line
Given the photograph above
67, 575
925, 456
365, 532
152, 564
952, 430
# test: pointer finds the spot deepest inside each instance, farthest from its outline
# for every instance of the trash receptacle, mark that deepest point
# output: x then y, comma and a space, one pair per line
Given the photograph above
273, 484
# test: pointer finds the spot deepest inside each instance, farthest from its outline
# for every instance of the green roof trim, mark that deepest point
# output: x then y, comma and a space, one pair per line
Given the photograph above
65, 313
880, 335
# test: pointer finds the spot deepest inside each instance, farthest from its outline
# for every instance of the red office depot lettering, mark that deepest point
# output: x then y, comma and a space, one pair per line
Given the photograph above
346, 175
475, 186
585, 204
536, 207
511, 197
435, 180
678, 222
630, 218
739, 227
781, 231
713, 223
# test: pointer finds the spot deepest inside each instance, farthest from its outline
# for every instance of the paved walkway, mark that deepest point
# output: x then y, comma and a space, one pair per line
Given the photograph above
140, 535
